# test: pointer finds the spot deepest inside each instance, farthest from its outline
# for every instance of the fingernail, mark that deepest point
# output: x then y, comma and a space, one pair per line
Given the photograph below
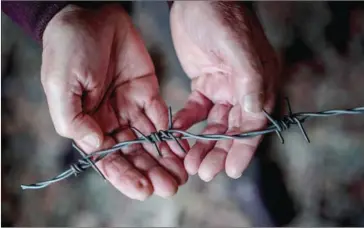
205, 177
253, 102
234, 173
191, 171
92, 140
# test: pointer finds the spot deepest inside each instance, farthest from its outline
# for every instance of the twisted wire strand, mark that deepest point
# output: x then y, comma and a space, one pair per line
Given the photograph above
277, 126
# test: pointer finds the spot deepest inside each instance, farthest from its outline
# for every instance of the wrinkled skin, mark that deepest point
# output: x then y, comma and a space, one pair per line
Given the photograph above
99, 80
233, 70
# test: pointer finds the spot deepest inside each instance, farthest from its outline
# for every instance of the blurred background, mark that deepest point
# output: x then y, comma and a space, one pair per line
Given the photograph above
295, 184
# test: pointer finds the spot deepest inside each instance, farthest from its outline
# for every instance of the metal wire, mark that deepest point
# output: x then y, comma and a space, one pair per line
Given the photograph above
277, 126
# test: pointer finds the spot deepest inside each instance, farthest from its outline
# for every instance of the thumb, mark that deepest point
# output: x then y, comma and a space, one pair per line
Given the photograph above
84, 129
68, 116
251, 94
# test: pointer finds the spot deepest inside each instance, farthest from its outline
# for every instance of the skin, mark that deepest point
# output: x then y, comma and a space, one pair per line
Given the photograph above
99, 81
234, 70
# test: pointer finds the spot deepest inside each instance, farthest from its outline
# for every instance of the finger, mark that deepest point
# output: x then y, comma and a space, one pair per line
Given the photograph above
217, 123
70, 121
140, 121
163, 183
214, 162
135, 116
121, 174
173, 164
242, 150
196, 109
239, 156
157, 112
168, 160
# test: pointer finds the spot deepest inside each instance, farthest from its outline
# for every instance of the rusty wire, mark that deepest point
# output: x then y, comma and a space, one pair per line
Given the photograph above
277, 126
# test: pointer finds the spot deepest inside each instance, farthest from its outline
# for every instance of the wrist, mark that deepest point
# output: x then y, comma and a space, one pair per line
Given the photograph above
60, 19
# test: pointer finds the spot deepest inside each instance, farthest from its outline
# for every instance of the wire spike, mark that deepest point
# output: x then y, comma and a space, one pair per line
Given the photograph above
280, 137
277, 127
147, 139
275, 123
272, 120
158, 150
289, 106
302, 129
170, 117
178, 143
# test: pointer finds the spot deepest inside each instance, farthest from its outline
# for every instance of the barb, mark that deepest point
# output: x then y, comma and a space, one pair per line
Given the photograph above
277, 126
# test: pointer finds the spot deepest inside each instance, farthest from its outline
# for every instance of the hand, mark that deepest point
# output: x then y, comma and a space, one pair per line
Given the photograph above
99, 81
233, 68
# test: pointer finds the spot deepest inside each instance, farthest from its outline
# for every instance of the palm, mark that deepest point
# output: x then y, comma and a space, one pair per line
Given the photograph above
222, 72
133, 100
109, 81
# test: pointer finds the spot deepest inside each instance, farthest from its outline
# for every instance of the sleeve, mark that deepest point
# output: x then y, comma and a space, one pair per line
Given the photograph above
32, 16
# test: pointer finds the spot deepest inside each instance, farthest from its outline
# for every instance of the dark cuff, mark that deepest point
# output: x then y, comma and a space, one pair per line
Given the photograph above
32, 17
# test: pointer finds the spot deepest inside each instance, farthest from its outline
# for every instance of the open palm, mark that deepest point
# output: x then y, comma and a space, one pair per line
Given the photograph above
233, 70
100, 82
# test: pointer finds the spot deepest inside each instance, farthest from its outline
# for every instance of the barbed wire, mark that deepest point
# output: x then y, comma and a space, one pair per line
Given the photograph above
277, 126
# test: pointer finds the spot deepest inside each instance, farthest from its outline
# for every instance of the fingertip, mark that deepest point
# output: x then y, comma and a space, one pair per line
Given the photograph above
212, 164
238, 159
175, 167
168, 194
195, 156
87, 131
190, 168
144, 188
138, 188
233, 173
164, 184
125, 178
178, 122
93, 139
205, 176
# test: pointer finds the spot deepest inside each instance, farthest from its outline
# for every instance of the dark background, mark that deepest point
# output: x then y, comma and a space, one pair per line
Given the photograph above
296, 184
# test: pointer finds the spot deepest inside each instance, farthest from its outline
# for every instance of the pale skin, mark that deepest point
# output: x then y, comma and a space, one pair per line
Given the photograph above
99, 81
233, 70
